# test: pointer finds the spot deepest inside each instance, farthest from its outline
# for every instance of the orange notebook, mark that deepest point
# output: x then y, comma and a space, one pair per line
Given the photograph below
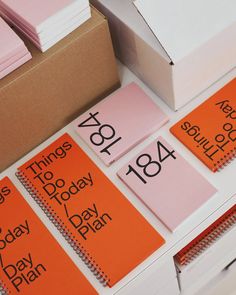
210, 130
101, 225
31, 260
208, 237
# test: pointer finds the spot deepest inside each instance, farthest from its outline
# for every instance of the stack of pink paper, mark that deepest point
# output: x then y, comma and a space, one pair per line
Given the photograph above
13, 52
45, 22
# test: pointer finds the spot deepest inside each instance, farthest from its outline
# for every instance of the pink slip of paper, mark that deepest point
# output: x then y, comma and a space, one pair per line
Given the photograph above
170, 187
118, 123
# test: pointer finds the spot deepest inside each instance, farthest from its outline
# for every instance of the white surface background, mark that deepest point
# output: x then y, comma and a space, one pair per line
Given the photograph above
224, 181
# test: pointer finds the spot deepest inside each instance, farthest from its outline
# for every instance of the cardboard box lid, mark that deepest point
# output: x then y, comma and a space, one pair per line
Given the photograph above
181, 26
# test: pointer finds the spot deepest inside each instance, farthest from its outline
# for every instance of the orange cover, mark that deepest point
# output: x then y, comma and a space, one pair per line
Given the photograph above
210, 130
31, 261
108, 233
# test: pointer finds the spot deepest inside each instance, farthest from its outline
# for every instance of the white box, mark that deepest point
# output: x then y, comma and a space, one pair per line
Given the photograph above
171, 288
155, 279
179, 70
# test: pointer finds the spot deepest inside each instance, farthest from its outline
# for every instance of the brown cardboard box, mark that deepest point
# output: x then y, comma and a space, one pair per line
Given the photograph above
53, 88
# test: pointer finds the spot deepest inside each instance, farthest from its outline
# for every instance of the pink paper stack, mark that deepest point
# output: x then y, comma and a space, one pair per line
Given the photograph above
45, 22
13, 52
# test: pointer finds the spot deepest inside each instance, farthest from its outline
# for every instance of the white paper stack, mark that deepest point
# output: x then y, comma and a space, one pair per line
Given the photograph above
45, 22
13, 52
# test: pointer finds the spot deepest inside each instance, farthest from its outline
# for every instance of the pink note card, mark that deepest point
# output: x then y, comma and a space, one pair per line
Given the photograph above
170, 187
118, 123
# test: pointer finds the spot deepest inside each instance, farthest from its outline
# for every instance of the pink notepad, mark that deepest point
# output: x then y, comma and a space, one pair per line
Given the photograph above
15, 65
119, 122
58, 25
8, 62
50, 38
166, 183
10, 43
42, 14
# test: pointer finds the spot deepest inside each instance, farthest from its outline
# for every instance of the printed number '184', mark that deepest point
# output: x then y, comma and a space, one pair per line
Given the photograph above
151, 168
105, 133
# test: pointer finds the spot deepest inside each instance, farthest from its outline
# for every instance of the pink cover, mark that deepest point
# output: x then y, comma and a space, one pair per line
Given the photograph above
10, 43
34, 13
124, 118
175, 192
15, 65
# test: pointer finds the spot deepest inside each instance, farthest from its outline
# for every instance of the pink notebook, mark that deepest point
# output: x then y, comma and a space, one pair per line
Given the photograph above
10, 43
39, 15
122, 120
166, 183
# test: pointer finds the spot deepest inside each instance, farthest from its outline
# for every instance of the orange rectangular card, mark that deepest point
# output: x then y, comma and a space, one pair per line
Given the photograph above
102, 226
31, 260
209, 131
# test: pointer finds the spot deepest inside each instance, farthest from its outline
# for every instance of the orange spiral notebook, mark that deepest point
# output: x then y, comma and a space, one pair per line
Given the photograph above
101, 225
210, 130
31, 260
208, 237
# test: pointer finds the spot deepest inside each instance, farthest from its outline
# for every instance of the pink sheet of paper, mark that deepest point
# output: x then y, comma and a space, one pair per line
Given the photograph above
118, 123
10, 43
170, 187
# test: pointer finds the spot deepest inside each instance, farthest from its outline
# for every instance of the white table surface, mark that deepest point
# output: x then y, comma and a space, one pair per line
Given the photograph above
224, 182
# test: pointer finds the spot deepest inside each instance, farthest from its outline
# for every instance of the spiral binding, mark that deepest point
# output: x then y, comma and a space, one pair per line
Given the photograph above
62, 228
226, 160
3, 289
206, 241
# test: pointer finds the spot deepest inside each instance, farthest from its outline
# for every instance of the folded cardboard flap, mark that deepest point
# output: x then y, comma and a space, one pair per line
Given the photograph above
138, 48
128, 15
183, 26
53, 88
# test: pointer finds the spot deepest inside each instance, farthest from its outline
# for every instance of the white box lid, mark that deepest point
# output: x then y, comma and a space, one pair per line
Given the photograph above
181, 26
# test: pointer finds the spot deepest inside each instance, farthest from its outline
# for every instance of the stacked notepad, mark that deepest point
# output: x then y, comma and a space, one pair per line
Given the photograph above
209, 236
45, 22
13, 52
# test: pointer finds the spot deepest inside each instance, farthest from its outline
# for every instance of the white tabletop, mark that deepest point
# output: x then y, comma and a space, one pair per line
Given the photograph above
224, 181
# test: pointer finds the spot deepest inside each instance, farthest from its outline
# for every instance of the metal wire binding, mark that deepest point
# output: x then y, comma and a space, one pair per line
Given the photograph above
3, 288
208, 240
62, 228
226, 160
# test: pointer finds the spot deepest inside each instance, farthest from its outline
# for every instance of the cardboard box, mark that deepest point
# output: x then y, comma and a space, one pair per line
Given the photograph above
55, 87
175, 80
